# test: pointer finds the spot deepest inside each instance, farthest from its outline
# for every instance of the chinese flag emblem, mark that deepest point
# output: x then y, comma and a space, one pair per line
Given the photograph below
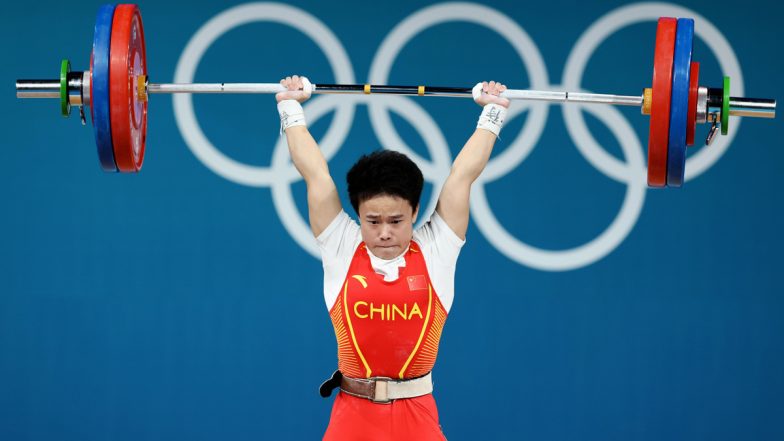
416, 282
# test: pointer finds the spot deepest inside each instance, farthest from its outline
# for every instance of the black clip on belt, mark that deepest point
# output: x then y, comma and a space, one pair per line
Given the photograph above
325, 390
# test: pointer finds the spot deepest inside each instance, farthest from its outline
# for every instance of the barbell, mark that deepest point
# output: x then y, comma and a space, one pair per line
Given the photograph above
116, 90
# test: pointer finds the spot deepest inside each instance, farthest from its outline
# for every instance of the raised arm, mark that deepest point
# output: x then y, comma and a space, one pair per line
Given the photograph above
323, 199
453, 202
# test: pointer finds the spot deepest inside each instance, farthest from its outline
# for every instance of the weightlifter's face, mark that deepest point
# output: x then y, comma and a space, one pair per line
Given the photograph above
387, 224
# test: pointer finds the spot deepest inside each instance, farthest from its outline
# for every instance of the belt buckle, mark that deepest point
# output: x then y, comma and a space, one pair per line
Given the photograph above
381, 390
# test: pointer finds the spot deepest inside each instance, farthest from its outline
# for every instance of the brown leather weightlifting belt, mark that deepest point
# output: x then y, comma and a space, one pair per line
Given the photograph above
379, 389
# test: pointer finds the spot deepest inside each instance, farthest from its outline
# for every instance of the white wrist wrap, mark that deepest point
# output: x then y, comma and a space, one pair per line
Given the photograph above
291, 114
492, 118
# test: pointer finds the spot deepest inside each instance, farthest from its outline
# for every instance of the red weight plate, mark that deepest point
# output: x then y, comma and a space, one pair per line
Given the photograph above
660, 108
691, 118
128, 113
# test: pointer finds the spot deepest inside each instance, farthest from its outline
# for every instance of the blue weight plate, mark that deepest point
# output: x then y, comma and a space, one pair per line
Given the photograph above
679, 107
100, 88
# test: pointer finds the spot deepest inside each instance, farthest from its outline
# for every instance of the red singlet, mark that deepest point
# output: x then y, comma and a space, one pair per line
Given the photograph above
386, 329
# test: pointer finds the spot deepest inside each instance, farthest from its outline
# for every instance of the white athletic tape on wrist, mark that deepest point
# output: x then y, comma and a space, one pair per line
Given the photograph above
291, 114
492, 118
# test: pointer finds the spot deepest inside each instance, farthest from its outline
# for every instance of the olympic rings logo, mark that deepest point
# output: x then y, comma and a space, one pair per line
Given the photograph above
281, 174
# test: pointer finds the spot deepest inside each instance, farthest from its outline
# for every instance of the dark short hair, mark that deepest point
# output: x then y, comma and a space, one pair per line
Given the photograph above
384, 172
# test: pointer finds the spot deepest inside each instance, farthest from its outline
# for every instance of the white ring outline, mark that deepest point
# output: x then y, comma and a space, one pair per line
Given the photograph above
507, 28
598, 157
619, 18
200, 145
593, 250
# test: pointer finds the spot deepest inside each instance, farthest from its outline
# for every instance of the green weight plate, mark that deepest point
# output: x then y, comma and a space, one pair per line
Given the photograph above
725, 106
65, 106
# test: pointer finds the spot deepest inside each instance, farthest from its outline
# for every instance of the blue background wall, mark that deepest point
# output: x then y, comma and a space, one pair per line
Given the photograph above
169, 304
